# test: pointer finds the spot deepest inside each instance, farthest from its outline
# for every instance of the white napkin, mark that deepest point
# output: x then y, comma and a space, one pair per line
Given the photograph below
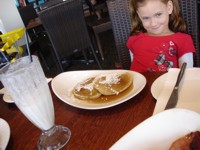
189, 90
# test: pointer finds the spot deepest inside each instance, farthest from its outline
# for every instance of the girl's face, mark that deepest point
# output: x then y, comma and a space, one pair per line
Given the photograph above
154, 15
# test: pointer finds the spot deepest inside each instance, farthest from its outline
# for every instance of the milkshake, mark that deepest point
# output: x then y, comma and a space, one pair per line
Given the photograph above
27, 85
38, 107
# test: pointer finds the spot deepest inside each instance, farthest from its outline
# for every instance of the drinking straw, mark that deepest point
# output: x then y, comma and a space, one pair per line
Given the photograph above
27, 46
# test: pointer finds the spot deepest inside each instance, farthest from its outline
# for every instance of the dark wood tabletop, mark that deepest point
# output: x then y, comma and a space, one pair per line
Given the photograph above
33, 23
91, 129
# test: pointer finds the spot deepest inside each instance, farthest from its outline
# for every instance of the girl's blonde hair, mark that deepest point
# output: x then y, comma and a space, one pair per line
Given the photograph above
176, 22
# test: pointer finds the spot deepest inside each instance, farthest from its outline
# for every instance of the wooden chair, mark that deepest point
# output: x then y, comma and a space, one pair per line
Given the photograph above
66, 28
121, 24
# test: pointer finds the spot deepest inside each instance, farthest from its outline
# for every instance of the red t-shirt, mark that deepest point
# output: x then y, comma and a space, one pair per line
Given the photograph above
158, 53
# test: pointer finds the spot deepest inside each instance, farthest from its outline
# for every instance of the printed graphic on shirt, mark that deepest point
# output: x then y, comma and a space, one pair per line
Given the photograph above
167, 53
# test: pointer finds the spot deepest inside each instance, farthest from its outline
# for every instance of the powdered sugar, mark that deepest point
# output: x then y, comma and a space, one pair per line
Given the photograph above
89, 87
87, 84
113, 78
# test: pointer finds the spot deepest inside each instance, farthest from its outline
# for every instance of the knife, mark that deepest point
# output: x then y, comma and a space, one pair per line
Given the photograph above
174, 95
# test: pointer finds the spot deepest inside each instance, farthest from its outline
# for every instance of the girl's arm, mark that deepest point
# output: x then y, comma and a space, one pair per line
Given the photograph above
188, 58
131, 55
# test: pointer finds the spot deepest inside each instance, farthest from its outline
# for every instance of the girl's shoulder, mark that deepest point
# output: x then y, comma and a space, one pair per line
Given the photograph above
133, 38
180, 34
136, 37
181, 37
143, 35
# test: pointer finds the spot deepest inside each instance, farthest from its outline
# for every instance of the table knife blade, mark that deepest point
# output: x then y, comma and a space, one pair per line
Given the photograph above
174, 95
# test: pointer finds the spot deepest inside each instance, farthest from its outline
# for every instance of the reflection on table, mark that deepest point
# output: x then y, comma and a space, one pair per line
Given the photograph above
91, 129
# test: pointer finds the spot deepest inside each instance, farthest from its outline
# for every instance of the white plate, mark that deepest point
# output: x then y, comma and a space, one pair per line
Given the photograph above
189, 89
188, 92
63, 84
157, 85
4, 134
158, 132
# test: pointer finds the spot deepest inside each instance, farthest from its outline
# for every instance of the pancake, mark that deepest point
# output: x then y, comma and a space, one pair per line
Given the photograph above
86, 90
113, 83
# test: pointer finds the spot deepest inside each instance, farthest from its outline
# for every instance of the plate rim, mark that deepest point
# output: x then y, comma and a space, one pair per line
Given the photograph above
6, 126
163, 76
175, 113
97, 71
154, 84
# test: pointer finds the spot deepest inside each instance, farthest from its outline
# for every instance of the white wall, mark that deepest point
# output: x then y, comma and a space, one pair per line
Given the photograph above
10, 17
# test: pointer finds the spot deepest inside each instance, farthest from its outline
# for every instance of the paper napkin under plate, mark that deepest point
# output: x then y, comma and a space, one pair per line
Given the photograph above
189, 89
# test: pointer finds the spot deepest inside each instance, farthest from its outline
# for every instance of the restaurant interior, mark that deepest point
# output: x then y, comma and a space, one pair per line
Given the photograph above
74, 44
99, 30
105, 34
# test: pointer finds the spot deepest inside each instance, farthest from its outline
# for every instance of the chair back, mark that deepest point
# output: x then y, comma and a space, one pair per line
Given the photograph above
49, 3
121, 22
66, 28
190, 14
121, 25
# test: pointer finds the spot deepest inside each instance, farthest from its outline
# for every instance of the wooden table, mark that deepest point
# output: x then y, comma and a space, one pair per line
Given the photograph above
33, 23
34, 27
91, 129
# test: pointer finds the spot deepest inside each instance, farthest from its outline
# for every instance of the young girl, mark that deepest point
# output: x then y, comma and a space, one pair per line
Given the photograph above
158, 38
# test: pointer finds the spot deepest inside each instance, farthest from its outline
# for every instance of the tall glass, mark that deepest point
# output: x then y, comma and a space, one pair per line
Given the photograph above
26, 83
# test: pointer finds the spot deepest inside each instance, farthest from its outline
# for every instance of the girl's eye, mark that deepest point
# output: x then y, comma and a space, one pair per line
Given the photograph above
145, 18
158, 14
